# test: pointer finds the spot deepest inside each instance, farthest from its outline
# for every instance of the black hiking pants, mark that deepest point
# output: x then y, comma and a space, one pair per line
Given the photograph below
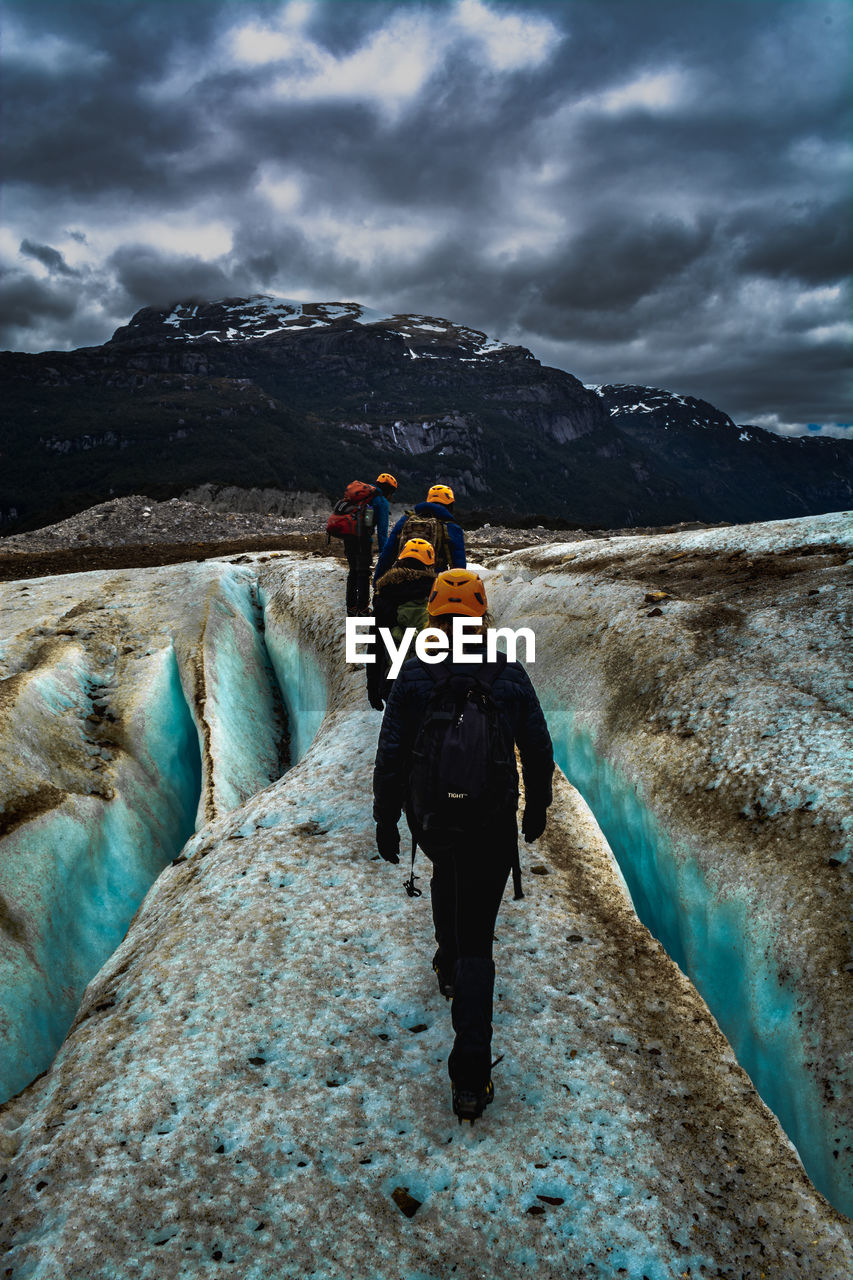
469, 876
359, 553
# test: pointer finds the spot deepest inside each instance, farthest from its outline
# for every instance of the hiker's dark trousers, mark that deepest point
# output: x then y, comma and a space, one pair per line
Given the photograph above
358, 552
468, 882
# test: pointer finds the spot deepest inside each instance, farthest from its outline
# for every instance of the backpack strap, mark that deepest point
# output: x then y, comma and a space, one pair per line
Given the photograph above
439, 672
446, 548
489, 677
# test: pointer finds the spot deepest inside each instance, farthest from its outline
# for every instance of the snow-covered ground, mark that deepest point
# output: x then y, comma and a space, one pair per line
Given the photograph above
260, 1065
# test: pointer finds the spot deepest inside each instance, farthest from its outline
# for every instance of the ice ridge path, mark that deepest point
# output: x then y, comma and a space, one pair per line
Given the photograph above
260, 1065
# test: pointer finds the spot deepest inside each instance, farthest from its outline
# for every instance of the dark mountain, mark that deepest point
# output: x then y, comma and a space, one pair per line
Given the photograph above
741, 472
270, 394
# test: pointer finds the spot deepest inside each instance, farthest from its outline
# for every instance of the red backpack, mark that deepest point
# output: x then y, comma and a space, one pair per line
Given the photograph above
352, 516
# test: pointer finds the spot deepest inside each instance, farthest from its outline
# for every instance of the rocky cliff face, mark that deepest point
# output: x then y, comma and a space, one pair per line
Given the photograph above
265, 393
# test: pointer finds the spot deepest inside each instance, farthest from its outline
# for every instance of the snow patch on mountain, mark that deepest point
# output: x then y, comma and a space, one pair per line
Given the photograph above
669, 408
263, 316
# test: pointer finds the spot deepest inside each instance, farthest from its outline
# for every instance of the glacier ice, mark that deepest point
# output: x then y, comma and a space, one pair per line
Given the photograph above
719, 771
127, 721
261, 1061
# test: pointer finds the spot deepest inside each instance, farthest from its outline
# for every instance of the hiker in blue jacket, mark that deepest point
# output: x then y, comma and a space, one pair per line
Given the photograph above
432, 520
359, 550
470, 863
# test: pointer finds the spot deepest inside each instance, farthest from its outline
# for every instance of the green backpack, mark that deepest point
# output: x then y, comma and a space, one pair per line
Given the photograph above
433, 530
413, 613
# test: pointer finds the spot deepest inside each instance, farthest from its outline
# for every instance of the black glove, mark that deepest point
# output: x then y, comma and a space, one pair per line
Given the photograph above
533, 821
388, 841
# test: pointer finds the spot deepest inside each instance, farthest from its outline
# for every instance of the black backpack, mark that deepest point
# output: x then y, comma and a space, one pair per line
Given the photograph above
463, 766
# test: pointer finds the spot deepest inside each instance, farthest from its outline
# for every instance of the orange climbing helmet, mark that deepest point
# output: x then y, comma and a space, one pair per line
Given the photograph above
418, 549
458, 591
441, 493
385, 478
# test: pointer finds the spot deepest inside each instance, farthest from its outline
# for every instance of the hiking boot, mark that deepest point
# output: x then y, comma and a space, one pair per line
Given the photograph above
470, 1104
445, 984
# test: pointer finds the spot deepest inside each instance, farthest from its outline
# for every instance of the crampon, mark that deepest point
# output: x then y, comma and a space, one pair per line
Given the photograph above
470, 1104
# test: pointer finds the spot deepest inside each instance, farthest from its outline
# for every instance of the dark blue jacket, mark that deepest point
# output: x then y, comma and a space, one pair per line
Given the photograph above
519, 706
455, 537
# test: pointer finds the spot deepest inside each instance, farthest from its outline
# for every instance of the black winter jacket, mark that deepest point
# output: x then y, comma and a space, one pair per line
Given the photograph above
517, 701
403, 584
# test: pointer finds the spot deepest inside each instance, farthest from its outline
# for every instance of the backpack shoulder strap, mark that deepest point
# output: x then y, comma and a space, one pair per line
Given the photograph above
489, 677
445, 539
438, 672
401, 525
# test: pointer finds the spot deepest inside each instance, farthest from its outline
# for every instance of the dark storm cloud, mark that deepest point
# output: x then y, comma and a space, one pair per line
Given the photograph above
650, 192
152, 279
613, 264
809, 241
27, 301
48, 257
804, 379
90, 132
32, 307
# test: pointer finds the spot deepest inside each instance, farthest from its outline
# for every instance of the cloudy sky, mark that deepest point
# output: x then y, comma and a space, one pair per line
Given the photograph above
646, 191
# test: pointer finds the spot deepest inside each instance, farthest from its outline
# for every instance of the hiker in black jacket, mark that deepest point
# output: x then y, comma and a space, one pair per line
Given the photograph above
400, 601
470, 868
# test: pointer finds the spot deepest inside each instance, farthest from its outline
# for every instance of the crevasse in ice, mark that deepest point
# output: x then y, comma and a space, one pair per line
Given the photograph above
270, 1027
